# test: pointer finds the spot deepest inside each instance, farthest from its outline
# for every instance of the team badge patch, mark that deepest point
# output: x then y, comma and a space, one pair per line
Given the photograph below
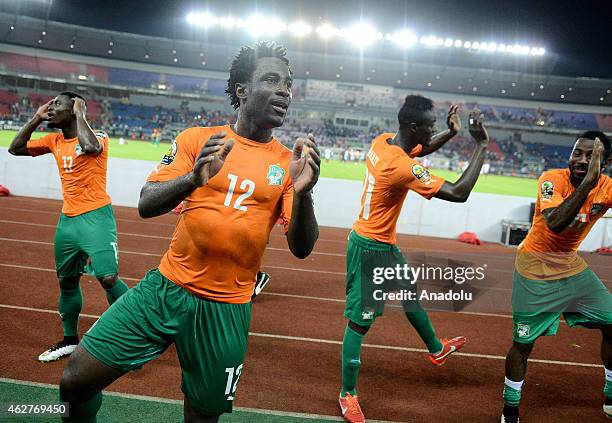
78, 150
170, 154
523, 330
367, 315
275, 175
547, 189
421, 173
596, 209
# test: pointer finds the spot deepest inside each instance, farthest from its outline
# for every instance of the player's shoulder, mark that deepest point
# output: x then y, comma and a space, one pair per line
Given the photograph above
555, 174
198, 133
282, 150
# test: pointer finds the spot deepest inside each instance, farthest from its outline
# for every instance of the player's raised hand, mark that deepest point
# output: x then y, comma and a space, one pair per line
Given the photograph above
477, 128
43, 111
453, 122
305, 165
79, 106
594, 171
211, 158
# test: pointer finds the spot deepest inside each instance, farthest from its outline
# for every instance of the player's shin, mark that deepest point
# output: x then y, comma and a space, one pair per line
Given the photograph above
351, 361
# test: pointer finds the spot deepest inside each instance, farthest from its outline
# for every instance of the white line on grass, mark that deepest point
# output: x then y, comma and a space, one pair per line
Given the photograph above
335, 342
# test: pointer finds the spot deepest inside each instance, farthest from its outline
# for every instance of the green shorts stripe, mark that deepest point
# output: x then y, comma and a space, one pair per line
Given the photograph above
210, 338
92, 234
537, 305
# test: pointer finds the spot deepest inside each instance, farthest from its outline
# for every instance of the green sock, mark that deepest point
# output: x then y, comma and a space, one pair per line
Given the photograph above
69, 306
351, 350
608, 386
116, 291
84, 412
420, 321
512, 392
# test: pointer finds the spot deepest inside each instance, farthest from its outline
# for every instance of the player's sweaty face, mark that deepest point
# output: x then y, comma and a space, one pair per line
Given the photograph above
269, 95
580, 158
427, 127
60, 111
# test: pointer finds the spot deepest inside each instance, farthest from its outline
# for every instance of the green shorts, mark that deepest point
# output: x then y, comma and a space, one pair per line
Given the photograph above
537, 305
92, 234
362, 255
210, 338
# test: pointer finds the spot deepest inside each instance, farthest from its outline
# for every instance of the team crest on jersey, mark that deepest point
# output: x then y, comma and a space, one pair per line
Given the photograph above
421, 173
170, 154
522, 330
547, 189
275, 175
78, 150
596, 208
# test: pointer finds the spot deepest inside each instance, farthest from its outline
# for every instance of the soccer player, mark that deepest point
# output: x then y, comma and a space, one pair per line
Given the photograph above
86, 226
550, 278
236, 180
391, 173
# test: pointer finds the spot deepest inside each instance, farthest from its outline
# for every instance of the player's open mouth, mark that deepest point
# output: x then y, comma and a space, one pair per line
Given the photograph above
580, 172
280, 107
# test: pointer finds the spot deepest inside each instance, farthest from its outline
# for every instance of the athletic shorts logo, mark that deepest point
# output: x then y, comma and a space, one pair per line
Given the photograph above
547, 189
522, 330
275, 175
170, 154
421, 173
367, 315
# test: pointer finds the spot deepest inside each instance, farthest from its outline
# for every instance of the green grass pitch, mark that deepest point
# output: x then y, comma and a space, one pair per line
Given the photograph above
492, 184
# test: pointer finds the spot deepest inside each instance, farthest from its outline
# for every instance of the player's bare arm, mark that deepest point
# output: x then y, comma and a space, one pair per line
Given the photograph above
304, 170
453, 124
19, 145
559, 218
87, 139
459, 191
157, 198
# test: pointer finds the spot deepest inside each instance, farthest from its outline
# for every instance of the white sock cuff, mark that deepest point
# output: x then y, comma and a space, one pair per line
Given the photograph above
517, 385
608, 374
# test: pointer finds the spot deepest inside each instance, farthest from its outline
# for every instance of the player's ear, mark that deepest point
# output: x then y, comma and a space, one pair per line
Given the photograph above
413, 126
241, 90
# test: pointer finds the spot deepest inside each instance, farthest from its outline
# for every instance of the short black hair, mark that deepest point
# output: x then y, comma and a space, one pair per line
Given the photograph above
245, 62
591, 135
72, 95
412, 109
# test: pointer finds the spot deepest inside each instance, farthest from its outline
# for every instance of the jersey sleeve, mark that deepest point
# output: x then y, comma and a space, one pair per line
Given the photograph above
287, 206
550, 190
412, 175
178, 160
40, 146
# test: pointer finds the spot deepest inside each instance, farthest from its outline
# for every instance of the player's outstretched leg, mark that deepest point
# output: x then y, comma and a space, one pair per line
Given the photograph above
606, 358
351, 361
516, 368
69, 306
113, 286
191, 415
81, 386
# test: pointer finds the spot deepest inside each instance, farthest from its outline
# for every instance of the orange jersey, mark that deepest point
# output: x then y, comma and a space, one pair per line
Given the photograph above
222, 231
545, 255
83, 177
390, 174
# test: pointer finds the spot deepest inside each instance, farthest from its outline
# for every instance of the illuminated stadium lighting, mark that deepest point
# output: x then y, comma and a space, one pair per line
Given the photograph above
492, 47
541, 52
205, 20
448, 42
110, 51
483, 46
388, 37
533, 51
601, 99
361, 34
475, 45
404, 38
380, 36
300, 29
467, 44
161, 86
501, 48
83, 77
227, 22
326, 31
262, 25
175, 60
12, 27
146, 56
458, 43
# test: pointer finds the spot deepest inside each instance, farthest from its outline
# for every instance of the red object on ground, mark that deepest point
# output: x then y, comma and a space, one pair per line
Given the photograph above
606, 251
4, 191
469, 238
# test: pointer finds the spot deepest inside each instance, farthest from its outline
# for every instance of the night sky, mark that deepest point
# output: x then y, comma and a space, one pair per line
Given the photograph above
577, 33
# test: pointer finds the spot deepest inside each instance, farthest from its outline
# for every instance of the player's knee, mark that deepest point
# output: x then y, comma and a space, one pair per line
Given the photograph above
69, 387
358, 328
108, 282
69, 282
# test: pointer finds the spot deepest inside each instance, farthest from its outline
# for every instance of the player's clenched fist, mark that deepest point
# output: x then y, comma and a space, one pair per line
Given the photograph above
305, 165
211, 158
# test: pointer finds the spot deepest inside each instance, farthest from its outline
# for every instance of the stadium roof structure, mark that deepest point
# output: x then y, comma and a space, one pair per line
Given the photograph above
479, 75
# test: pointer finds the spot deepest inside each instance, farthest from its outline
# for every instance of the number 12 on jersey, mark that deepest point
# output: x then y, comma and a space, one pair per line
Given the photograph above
246, 185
